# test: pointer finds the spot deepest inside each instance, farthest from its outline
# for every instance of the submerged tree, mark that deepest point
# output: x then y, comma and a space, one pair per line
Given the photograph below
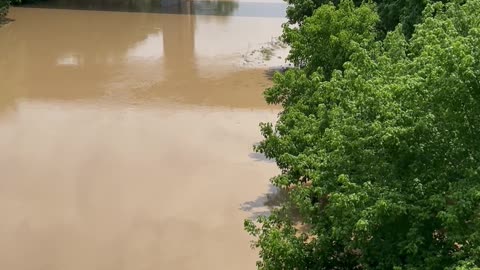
384, 155
4, 6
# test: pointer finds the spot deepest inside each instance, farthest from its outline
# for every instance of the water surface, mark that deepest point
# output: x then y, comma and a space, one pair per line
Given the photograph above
126, 139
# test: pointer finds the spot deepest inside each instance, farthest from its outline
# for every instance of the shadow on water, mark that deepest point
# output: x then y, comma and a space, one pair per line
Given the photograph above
263, 205
269, 73
260, 158
187, 7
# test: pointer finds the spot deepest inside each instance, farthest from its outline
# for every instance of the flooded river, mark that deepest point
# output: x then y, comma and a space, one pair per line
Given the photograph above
126, 133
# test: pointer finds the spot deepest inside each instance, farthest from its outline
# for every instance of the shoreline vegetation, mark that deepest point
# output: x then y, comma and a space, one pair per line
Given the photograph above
377, 140
4, 7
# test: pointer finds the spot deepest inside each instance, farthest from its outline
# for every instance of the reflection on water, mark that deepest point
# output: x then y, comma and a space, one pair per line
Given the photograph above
59, 54
149, 49
125, 140
192, 7
68, 60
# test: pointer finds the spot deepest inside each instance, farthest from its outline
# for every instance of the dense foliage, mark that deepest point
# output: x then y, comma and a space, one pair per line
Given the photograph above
392, 12
383, 154
326, 39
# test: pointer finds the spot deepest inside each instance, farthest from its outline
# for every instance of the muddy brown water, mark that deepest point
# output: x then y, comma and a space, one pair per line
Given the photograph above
126, 137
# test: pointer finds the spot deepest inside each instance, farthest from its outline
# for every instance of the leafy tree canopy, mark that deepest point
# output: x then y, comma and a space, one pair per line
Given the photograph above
392, 12
383, 154
327, 38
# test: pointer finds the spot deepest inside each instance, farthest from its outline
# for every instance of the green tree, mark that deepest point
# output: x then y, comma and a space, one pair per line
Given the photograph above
327, 38
384, 155
392, 12
299, 10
